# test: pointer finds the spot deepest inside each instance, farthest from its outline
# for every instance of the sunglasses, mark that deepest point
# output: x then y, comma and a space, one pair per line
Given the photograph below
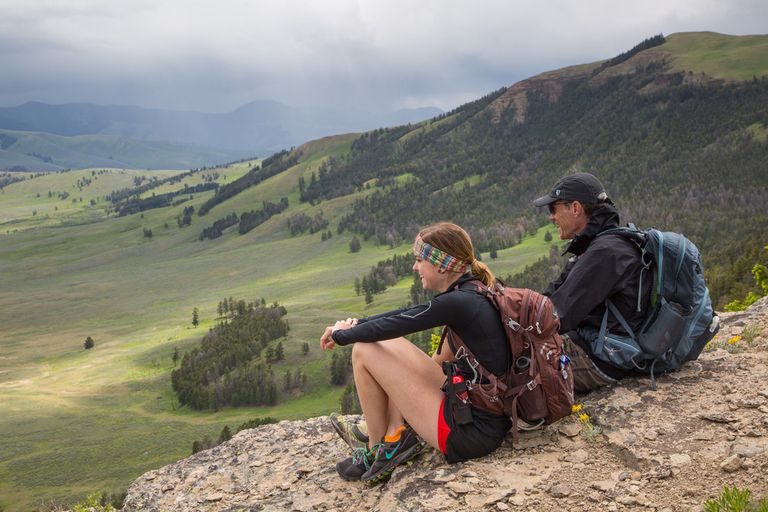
553, 206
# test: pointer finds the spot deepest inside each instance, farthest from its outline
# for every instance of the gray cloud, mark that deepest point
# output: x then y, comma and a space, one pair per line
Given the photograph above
215, 56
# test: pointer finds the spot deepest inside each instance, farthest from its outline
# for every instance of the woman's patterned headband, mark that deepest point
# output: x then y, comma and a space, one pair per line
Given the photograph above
444, 261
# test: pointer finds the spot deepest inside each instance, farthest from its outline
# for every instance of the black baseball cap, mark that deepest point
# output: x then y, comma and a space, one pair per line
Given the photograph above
582, 187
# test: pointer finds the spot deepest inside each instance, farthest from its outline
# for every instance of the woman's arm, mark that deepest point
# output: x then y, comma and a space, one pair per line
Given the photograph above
446, 308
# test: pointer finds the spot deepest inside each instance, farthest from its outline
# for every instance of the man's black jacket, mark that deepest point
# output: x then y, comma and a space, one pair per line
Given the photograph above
601, 267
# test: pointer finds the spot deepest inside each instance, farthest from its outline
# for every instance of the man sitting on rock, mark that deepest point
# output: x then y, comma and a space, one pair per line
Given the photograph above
605, 267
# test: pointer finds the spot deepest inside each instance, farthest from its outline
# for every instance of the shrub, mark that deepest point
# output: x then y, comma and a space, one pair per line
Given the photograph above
733, 499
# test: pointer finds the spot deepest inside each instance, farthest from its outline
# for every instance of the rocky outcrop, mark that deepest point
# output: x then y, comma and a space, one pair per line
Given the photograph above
549, 84
667, 450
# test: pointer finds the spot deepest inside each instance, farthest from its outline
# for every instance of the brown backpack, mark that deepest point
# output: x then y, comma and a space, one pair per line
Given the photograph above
538, 387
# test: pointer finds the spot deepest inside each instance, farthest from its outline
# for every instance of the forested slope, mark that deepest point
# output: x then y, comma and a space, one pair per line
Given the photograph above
676, 149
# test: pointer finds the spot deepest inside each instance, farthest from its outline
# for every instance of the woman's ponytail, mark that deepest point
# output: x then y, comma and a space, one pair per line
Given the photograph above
481, 271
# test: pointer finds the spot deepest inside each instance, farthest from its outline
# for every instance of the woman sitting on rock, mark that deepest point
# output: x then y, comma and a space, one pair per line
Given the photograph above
400, 387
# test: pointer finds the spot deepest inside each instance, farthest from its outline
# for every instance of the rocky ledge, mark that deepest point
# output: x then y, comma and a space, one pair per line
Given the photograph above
667, 450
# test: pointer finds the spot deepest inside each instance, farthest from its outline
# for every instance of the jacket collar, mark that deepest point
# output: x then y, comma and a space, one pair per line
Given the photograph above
605, 217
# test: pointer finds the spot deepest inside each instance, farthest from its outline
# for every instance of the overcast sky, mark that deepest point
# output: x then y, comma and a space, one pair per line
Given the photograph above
214, 56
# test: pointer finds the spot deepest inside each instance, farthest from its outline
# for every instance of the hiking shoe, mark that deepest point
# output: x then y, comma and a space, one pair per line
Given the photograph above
389, 455
352, 433
354, 467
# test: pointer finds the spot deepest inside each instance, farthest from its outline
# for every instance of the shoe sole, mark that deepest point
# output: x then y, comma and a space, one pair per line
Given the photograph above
397, 461
345, 477
349, 436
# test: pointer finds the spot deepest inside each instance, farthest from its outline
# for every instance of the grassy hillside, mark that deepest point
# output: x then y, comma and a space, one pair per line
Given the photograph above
77, 420
37, 151
719, 55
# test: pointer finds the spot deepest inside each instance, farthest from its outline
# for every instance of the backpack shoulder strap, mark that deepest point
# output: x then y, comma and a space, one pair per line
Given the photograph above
480, 288
630, 233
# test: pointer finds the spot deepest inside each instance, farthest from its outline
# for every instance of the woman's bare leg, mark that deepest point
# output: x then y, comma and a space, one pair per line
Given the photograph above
395, 380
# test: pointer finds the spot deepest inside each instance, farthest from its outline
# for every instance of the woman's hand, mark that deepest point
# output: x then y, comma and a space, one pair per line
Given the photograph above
326, 341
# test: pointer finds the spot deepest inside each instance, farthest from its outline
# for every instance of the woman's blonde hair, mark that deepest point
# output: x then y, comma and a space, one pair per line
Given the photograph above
452, 239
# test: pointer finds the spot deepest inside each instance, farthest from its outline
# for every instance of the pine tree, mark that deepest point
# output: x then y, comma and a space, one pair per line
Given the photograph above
195, 318
354, 244
225, 435
89, 343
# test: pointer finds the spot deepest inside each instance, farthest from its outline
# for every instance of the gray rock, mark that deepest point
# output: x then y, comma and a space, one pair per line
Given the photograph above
731, 464
579, 456
569, 429
679, 459
560, 491
748, 450
460, 487
627, 500
718, 417
603, 485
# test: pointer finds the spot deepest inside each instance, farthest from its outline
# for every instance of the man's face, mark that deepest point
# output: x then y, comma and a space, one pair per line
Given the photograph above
569, 217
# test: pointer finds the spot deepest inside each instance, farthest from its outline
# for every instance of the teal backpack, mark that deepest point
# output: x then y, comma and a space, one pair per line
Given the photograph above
680, 320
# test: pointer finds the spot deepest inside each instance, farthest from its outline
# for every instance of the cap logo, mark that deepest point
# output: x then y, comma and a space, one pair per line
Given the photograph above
557, 192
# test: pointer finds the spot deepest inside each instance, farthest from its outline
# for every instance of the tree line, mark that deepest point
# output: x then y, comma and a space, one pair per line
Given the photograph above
227, 367
136, 205
253, 218
385, 273
656, 40
301, 222
271, 166
116, 196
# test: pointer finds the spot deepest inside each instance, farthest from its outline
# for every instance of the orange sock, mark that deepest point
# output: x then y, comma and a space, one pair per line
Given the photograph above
396, 436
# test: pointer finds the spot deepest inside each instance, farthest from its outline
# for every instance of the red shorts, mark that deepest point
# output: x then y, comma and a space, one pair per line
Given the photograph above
464, 442
443, 429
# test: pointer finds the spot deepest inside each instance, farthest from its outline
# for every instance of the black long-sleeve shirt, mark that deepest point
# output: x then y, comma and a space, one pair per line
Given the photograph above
468, 313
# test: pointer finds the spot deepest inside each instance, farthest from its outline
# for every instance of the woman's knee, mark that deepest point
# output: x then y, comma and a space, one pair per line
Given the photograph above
363, 352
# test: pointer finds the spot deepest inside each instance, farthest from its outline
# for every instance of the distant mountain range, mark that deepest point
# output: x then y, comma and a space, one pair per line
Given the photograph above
155, 138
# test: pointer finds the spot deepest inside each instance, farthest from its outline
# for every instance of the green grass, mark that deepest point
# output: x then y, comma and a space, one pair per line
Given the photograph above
758, 132
718, 55
75, 421
73, 152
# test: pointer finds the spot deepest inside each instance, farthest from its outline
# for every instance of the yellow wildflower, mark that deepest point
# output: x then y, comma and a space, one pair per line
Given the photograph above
734, 340
584, 417
576, 407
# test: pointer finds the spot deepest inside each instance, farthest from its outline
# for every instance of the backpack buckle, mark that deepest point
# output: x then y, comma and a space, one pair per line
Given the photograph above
531, 385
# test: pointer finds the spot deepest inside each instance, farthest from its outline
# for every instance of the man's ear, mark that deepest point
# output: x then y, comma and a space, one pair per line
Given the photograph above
576, 208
